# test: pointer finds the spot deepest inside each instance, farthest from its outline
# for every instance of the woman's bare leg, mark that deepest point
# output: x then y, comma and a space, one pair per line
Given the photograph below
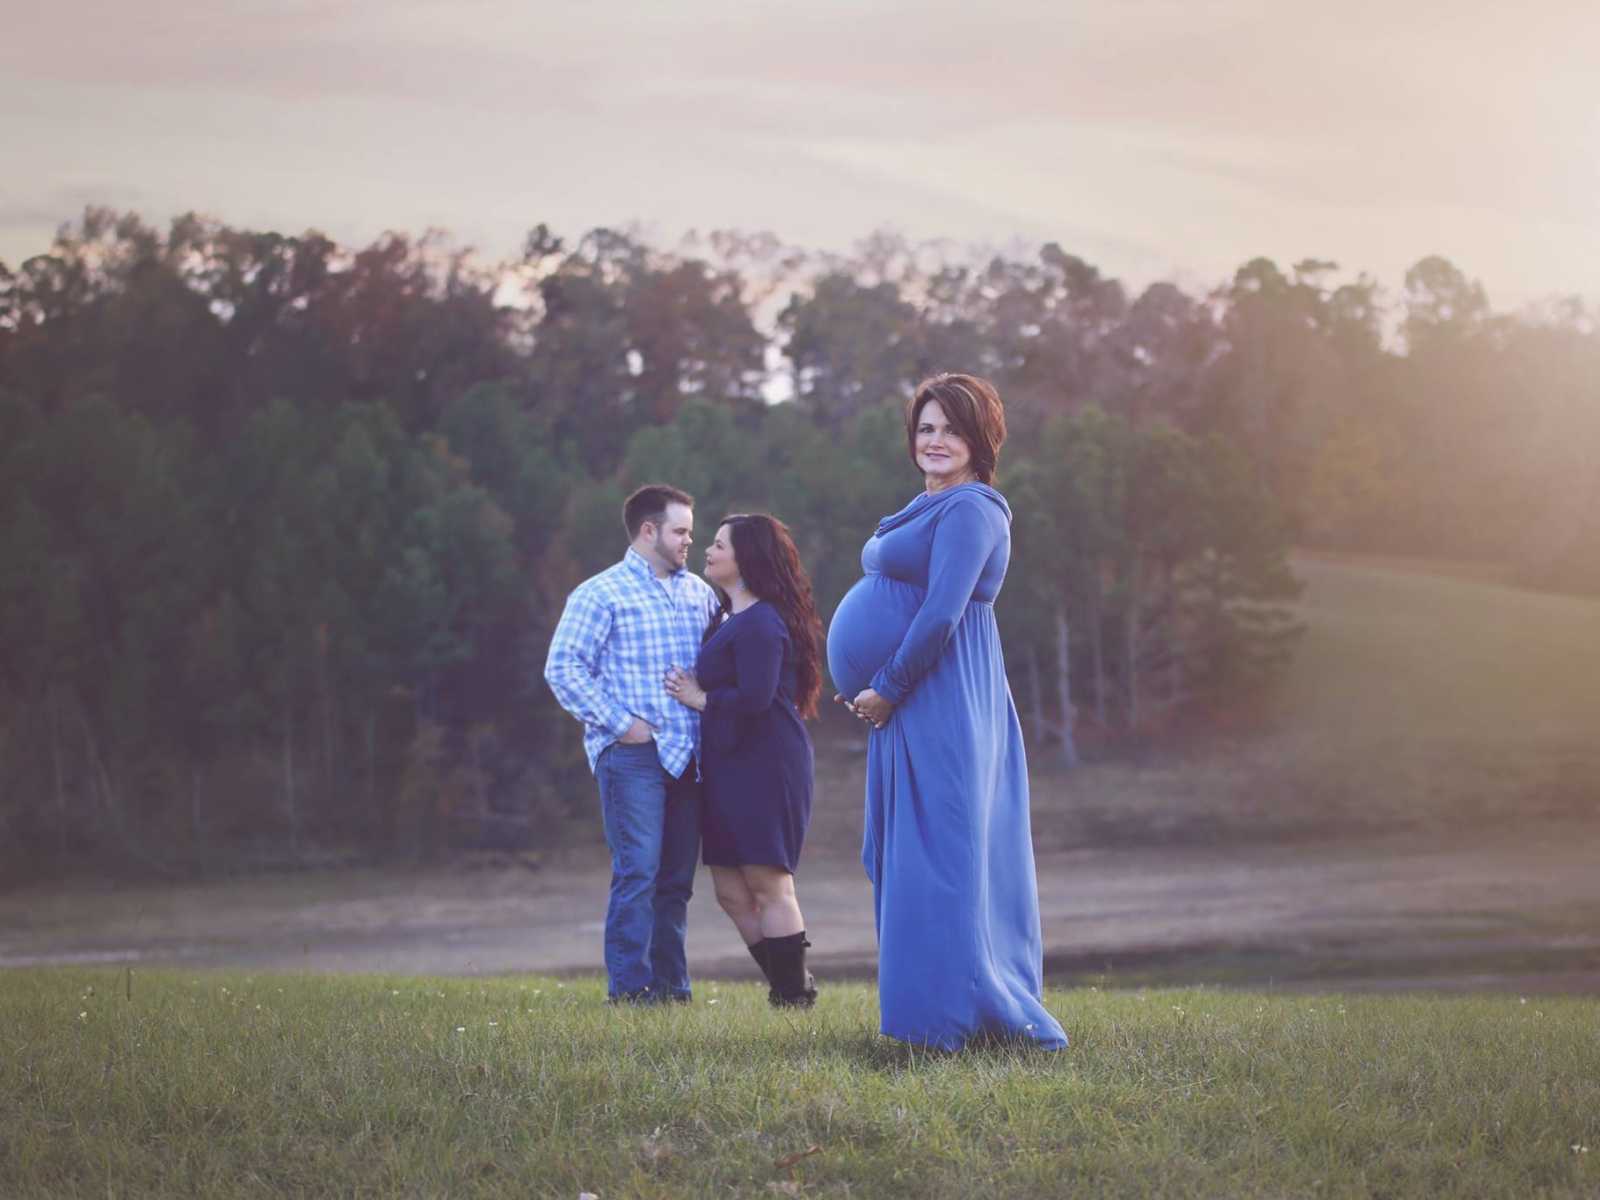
738, 901
773, 891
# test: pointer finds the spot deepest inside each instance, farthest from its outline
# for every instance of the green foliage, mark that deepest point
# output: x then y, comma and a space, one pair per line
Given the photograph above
704, 451
1166, 555
852, 346
273, 509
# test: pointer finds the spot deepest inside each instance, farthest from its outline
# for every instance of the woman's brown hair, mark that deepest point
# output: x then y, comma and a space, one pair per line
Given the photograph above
974, 408
770, 566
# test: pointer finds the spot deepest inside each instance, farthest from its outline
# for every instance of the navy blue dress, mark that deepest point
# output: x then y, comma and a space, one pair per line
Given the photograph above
756, 755
947, 843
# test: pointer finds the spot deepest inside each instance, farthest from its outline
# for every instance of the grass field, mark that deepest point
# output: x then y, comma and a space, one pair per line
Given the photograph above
224, 1085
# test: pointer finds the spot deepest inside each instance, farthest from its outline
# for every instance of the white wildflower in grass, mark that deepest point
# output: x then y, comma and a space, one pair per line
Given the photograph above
492, 1024
83, 1016
711, 1001
461, 1028
1579, 1148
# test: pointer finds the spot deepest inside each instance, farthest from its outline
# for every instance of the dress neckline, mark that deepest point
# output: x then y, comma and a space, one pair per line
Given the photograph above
732, 617
924, 501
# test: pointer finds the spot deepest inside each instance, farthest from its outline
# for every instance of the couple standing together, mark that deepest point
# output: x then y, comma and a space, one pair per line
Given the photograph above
692, 694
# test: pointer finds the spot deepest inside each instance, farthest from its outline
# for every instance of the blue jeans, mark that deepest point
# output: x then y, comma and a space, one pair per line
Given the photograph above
652, 824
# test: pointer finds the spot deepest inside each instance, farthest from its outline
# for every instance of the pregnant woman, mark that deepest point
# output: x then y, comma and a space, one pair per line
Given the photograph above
915, 652
758, 674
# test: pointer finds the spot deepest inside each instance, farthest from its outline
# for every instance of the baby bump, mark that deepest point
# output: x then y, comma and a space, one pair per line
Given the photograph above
867, 628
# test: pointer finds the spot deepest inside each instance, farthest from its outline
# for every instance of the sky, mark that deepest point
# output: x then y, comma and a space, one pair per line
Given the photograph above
1155, 139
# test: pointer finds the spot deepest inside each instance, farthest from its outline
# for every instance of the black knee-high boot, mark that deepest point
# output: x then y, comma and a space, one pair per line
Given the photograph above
793, 984
758, 951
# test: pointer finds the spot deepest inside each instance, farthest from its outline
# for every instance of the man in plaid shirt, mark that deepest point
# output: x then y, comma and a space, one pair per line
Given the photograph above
620, 633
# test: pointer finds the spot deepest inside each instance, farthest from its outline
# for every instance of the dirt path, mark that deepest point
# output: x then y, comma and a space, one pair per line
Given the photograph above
1520, 913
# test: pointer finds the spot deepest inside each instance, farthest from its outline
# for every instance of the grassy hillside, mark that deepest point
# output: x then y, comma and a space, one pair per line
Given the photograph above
1395, 652
226, 1085
1419, 697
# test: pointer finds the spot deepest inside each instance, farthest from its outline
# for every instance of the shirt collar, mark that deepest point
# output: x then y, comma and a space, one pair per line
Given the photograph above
640, 565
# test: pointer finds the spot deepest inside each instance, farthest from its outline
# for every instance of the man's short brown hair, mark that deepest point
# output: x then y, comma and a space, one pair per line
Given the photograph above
973, 407
649, 503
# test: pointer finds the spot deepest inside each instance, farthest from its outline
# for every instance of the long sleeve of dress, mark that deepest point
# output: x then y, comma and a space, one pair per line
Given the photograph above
758, 663
962, 543
572, 666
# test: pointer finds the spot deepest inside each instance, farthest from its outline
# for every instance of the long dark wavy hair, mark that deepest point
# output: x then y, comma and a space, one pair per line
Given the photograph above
770, 566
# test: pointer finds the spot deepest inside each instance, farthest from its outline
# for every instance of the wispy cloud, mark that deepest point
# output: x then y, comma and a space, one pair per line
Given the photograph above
1163, 133
50, 208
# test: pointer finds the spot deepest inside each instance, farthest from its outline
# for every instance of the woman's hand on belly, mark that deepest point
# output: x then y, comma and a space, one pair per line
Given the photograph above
870, 707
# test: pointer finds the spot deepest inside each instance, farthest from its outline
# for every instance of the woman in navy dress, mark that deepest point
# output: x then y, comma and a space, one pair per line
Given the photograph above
758, 675
915, 652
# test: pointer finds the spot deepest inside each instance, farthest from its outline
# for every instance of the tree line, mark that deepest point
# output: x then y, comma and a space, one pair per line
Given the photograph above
285, 525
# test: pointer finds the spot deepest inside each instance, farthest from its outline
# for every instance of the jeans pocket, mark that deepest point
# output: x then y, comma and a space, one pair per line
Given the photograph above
623, 758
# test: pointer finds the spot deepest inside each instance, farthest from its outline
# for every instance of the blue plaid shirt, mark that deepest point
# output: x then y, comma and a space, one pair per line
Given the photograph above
609, 656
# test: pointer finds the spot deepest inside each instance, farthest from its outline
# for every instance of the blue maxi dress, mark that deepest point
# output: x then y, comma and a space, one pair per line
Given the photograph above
947, 843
